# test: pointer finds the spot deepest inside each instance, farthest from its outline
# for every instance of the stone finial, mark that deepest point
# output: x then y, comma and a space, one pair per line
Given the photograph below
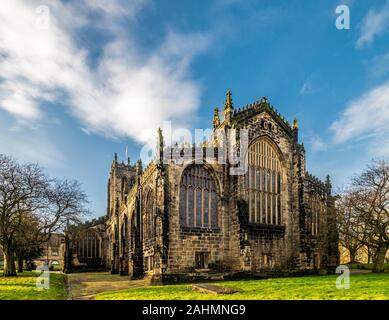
160, 145
295, 124
139, 167
228, 104
216, 119
228, 108
160, 137
295, 128
328, 183
116, 157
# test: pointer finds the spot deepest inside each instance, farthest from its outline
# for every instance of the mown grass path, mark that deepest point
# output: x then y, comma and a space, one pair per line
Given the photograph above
84, 286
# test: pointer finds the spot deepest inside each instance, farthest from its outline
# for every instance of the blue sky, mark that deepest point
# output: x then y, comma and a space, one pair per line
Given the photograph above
88, 78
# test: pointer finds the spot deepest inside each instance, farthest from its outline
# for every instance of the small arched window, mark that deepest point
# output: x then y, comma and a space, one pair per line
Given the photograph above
263, 184
132, 229
198, 198
124, 234
317, 210
124, 188
148, 217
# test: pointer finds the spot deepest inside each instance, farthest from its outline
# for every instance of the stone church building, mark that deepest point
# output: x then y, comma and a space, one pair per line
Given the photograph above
176, 221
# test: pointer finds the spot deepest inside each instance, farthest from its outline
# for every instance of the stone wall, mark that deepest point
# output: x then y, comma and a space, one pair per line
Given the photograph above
235, 245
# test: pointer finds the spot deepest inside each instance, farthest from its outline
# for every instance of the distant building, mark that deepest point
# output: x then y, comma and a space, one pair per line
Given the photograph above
53, 252
362, 255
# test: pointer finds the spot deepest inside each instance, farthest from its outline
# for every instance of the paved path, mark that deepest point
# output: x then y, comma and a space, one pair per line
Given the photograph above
84, 286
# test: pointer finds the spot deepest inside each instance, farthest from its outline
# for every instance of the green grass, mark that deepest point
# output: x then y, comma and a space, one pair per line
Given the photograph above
362, 286
23, 287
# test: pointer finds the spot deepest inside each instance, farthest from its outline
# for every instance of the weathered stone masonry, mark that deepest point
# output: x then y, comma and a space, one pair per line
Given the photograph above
175, 221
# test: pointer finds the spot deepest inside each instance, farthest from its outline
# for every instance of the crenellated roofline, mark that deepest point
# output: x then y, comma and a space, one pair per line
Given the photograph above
316, 181
257, 107
234, 117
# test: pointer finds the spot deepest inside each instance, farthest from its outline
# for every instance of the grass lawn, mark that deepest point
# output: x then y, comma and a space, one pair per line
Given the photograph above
362, 286
23, 287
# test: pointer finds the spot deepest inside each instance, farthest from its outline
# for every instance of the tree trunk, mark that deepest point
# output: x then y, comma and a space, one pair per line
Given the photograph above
20, 264
352, 255
379, 261
9, 263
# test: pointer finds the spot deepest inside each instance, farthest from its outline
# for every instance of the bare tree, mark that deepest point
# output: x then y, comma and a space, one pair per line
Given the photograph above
66, 203
26, 244
27, 193
21, 189
369, 202
349, 226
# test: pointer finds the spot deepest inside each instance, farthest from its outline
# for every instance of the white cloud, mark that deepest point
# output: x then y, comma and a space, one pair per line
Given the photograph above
364, 117
373, 24
306, 88
130, 92
317, 143
117, 7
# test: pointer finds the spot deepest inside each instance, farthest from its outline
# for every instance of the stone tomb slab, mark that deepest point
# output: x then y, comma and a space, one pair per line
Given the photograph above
209, 288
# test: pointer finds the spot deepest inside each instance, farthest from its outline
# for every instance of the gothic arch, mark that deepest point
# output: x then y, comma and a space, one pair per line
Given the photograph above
124, 188
198, 204
89, 244
264, 182
209, 168
149, 215
124, 234
317, 206
132, 232
270, 141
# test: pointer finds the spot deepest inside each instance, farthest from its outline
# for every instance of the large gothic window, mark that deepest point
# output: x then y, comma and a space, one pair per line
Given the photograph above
263, 184
88, 246
198, 202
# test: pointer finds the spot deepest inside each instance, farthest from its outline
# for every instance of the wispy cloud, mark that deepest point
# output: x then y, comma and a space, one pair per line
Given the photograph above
378, 66
129, 93
367, 116
29, 145
373, 24
117, 7
306, 87
317, 143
